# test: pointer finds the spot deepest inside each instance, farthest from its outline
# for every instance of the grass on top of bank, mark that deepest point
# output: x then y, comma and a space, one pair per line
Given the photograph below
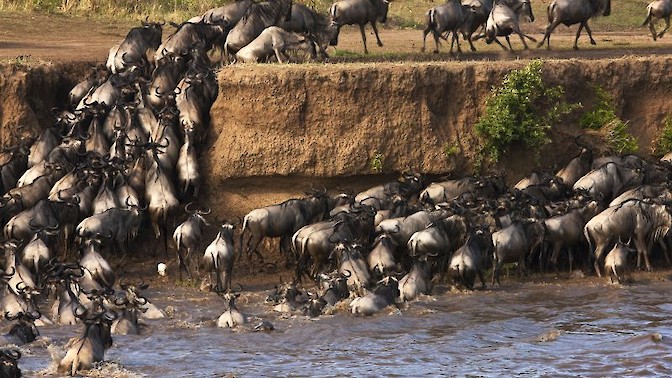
626, 15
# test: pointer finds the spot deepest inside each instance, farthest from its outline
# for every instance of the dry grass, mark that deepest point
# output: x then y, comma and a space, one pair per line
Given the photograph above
626, 14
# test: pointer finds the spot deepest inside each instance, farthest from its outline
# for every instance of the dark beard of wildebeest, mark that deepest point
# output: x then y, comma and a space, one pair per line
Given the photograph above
451, 17
308, 22
570, 12
358, 12
282, 221
258, 17
647, 223
504, 20
656, 10
137, 48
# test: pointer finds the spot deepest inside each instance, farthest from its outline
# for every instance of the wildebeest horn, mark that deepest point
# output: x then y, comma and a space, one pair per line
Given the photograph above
12, 354
10, 317
204, 212
347, 275
187, 209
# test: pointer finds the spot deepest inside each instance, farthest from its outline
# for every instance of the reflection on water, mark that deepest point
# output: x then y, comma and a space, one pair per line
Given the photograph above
566, 329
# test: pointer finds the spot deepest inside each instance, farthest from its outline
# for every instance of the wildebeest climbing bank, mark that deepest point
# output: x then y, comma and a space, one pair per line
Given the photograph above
341, 202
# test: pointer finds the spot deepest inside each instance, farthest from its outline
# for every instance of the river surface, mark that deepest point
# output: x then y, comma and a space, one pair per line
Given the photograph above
565, 328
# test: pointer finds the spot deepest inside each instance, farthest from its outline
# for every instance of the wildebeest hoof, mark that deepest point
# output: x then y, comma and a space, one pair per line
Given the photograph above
576, 48
380, 44
264, 326
436, 51
593, 43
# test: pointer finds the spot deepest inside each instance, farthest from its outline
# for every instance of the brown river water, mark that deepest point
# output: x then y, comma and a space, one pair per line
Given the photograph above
581, 327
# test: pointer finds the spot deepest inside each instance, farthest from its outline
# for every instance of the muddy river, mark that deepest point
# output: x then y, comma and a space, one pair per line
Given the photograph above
582, 327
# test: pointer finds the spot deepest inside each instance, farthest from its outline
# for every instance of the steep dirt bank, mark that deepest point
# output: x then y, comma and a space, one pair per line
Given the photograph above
273, 126
278, 129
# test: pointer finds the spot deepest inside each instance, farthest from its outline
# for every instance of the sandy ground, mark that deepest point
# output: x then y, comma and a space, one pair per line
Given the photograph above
79, 39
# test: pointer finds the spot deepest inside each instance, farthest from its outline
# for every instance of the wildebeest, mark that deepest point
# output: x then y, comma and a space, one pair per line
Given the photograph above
281, 220
231, 317
90, 347
503, 21
656, 10
450, 17
566, 231
570, 12
514, 243
381, 258
9, 363
609, 181
230, 13
187, 236
219, 257
467, 262
384, 295
275, 41
358, 12
616, 262
138, 47
23, 329
647, 223
257, 17
188, 34
439, 240
417, 281
131, 304
306, 21
577, 167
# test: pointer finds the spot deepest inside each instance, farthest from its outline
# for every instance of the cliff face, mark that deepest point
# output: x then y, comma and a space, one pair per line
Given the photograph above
278, 129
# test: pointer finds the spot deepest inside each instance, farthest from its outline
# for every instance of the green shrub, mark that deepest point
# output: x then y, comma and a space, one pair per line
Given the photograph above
602, 118
520, 111
664, 143
376, 162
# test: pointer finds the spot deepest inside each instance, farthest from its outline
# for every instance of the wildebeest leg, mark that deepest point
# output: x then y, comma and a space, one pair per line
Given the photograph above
667, 26
424, 39
547, 35
436, 40
641, 249
590, 33
480, 277
570, 255
652, 28
508, 40
666, 253
471, 44
500, 43
456, 38
578, 33
375, 31
361, 29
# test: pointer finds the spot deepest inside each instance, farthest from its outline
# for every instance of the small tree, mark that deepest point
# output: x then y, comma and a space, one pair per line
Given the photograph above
521, 110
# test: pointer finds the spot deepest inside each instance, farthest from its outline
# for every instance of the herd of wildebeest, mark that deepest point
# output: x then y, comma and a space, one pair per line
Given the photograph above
124, 149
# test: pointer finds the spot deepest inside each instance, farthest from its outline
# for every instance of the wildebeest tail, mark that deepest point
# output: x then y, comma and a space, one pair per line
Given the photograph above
242, 232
